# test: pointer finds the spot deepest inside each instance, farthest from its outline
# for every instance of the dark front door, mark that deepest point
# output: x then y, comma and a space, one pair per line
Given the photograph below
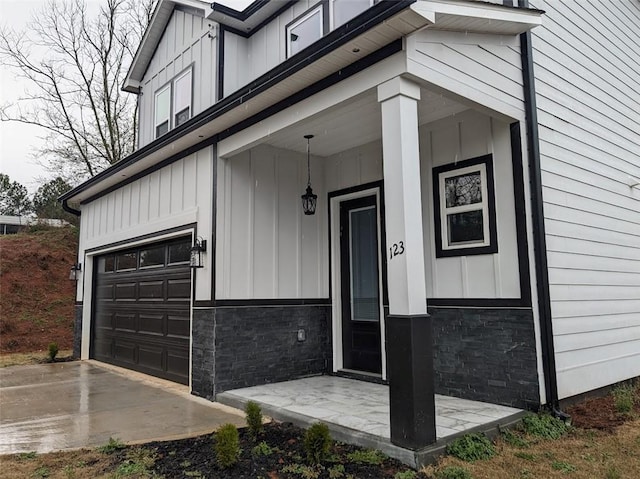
361, 348
142, 302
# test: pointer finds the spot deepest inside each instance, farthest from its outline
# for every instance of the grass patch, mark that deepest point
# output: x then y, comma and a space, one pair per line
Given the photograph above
544, 426
454, 472
472, 447
113, 445
564, 467
624, 398
514, 439
367, 456
302, 470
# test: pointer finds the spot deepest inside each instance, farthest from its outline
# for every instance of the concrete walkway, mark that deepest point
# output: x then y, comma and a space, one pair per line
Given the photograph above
60, 406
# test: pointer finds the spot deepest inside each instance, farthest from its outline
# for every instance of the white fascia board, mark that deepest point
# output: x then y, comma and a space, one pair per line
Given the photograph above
437, 11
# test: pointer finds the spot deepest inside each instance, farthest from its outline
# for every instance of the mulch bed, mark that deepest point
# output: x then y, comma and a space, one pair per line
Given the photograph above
598, 413
195, 457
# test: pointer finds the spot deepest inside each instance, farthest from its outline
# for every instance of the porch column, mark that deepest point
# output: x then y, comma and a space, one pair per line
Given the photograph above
408, 326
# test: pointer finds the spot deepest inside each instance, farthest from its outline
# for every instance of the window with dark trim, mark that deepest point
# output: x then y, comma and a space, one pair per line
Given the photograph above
464, 208
173, 103
306, 29
344, 10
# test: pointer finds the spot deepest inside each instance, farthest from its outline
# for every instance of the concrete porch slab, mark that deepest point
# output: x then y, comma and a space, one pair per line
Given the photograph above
60, 406
358, 412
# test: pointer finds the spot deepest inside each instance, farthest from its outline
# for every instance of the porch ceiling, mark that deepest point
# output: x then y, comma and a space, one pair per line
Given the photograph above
354, 123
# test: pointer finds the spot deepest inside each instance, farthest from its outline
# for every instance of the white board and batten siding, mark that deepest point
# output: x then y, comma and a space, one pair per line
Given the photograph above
188, 40
177, 195
266, 247
588, 96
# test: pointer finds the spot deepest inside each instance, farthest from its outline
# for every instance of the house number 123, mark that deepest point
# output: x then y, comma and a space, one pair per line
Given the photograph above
396, 249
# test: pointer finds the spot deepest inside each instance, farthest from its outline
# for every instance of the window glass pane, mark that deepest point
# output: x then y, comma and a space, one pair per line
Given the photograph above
152, 257
162, 129
126, 261
344, 10
182, 101
465, 227
305, 33
463, 190
364, 265
106, 264
180, 252
162, 106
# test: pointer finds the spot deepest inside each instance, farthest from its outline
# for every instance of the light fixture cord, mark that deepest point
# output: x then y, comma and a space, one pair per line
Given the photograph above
308, 164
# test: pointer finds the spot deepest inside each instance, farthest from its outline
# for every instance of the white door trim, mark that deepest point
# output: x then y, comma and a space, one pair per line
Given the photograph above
336, 307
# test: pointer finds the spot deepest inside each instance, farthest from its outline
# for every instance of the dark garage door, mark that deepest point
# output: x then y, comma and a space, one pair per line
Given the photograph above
141, 309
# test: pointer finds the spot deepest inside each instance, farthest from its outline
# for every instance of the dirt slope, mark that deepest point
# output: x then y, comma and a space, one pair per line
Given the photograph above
36, 295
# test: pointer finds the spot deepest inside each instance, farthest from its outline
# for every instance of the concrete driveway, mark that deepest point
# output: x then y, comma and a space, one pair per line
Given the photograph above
78, 404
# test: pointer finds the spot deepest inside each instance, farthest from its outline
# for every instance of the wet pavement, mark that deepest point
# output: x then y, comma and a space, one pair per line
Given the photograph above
52, 407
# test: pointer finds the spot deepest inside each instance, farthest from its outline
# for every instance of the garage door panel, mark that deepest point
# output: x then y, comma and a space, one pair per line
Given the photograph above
178, 288
142, 310
151, 290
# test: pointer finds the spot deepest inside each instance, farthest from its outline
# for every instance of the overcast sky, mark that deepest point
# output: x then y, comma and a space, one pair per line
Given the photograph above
18, 142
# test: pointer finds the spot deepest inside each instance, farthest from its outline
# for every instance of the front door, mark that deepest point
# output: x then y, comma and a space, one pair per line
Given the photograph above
361, 342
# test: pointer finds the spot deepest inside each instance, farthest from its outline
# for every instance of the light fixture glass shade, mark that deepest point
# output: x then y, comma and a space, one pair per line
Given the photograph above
74, 272
195, 259
309, 201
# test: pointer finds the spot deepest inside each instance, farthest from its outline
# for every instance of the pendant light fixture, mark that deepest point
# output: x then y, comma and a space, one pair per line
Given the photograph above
309, 200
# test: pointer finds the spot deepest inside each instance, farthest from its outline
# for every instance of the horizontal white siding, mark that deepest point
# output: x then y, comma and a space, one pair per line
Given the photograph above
173, 196
188, 40
482, 69
267, 248
458, 138
588, 96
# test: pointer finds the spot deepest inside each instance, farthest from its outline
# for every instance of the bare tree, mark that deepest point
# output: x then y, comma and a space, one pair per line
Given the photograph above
74, 65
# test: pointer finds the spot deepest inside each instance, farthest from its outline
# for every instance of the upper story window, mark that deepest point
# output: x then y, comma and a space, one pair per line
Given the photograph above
345, 10
163, 109
173, 103
305, 30
182, 98
465, 211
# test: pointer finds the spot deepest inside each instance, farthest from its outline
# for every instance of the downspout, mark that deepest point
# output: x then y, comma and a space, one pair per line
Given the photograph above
539, 234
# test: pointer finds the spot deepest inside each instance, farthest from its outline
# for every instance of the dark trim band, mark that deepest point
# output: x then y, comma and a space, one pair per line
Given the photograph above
128, 241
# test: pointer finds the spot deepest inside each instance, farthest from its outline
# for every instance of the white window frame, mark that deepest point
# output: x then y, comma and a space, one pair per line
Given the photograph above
175, 111
332, 13
317, 9
489, 244
157, 123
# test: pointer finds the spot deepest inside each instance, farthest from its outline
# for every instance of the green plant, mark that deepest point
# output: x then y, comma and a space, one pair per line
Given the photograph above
317, 442
472, 447
227, 446
454, 472
623, 398
408, 474
262, 449
514, 439
254, 418
336, 472
112, 446
563, 467
544, 426
366, 456
27, 456
306, 472
42, 472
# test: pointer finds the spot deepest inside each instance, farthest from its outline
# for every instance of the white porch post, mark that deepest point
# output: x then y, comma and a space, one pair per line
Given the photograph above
408, 327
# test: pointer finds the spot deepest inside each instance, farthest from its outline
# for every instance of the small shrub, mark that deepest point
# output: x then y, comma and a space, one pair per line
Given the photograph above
112, 446
306, 472
408, 474
227, 446
253, 415
367, 456
472, 447
563, 467
317, 442
454, 472
336, 472
544, 426
53, 351
262, 449
623, 398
